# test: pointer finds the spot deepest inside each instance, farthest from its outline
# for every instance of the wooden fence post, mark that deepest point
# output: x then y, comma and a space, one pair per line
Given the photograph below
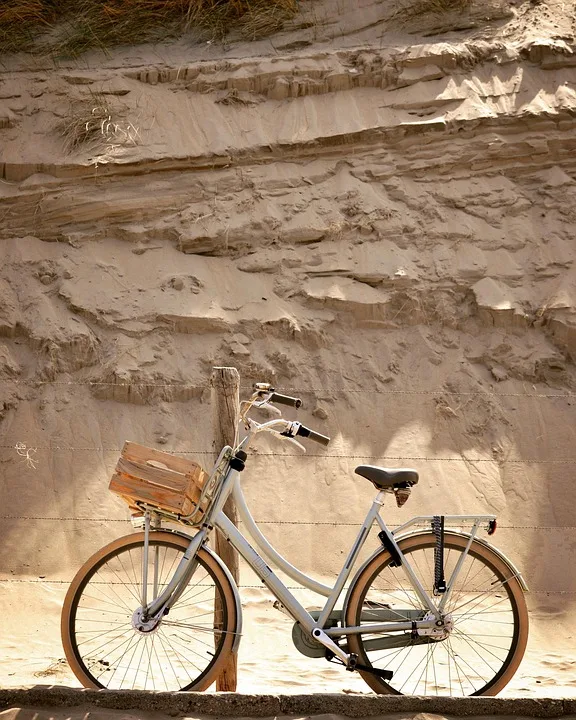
225, 383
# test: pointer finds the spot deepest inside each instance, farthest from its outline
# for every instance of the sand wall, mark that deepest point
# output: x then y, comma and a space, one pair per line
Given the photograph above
384, 228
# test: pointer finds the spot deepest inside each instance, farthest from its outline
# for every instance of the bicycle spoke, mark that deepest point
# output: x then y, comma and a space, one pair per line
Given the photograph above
126, 585
178, 655
149, 648
97, 649
106, 663
168, 659
181, 642
100, 634
483, 679
199, 628
464, 583
108, 599
413, 671
389, 657
192, 638
482, 645
406, 656
470, 614
457, 666
106, 602
160, 667
482, 593
129, 664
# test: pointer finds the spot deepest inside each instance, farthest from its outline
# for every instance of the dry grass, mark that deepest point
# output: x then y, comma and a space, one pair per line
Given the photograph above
440, 6
264, 18
431, 17
93, 124
20, 22
411, 9
69, 27
234, 97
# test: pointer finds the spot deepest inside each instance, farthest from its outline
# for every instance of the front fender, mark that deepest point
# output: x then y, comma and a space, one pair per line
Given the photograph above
513, 569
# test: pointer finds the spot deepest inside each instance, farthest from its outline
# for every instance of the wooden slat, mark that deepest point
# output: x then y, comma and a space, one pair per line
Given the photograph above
141, 453
163, 478
135, 489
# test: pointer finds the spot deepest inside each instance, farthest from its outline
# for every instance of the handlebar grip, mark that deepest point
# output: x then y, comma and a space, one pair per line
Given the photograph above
285, 400
312, 435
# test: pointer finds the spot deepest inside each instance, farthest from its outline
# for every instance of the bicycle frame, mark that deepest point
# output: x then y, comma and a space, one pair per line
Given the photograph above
215, 517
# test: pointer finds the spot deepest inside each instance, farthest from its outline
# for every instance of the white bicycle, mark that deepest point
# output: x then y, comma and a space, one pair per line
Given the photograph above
432, 612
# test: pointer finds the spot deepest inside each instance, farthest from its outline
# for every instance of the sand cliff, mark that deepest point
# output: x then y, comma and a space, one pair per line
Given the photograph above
377, 218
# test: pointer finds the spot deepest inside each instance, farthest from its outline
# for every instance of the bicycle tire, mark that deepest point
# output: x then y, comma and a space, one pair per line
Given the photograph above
504, 634
105, 593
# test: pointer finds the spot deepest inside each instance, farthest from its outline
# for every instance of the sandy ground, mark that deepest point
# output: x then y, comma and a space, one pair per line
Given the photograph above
375, 214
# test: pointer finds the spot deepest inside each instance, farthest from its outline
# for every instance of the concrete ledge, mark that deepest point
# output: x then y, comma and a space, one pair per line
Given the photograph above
238, 705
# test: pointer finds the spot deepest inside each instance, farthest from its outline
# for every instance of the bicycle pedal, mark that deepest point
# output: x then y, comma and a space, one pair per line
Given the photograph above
384, 674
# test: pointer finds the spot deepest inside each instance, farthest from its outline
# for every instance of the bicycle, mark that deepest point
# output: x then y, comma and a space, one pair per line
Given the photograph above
437, 611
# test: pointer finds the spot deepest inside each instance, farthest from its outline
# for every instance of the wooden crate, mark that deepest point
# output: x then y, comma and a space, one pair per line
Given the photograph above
156, 478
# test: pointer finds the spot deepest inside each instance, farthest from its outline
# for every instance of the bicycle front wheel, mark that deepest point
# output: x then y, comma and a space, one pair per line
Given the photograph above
486, 610
186, 651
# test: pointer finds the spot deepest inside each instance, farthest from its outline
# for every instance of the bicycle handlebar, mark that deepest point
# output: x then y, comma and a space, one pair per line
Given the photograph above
265, 393
312, 435
285, 400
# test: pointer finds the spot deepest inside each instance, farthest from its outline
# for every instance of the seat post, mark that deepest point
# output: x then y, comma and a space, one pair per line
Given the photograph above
379, 499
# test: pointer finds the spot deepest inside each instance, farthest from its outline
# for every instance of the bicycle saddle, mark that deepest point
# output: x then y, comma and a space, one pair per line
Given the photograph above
383, 478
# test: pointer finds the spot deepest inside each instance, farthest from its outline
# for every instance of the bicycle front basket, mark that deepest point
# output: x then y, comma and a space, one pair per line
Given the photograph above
158, 479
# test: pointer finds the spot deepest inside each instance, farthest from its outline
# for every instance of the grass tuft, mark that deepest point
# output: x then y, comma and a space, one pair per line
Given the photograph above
93, 124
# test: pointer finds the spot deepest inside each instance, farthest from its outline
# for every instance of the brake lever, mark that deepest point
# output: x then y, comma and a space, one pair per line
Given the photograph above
285, 437
269, 406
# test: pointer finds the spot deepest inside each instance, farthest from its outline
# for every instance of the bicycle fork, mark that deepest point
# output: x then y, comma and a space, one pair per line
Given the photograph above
149, 615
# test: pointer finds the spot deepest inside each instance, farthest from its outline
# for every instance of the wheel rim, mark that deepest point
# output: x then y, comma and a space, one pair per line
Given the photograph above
484, 609
178, 654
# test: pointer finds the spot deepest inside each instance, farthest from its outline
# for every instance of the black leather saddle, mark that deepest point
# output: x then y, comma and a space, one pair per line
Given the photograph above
384, 479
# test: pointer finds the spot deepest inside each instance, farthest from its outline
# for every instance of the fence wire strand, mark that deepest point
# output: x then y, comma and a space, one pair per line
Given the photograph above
46, 581
313, 523
321, 392
341, 456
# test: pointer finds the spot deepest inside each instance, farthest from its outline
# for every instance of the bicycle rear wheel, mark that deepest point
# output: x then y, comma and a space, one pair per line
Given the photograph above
186, 650
487, 608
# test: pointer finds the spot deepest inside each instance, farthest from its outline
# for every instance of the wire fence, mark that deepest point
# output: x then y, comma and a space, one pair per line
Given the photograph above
313, 523
341, 456
319, 392
307, 391
126, 521
46, 581
298, 391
